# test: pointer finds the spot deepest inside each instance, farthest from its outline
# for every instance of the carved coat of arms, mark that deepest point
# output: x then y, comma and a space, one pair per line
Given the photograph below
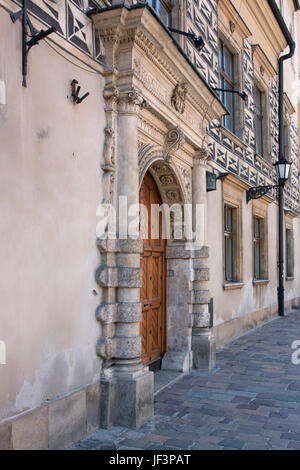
178, 97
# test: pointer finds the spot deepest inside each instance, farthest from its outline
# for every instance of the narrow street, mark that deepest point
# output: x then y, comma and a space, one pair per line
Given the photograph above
251, 400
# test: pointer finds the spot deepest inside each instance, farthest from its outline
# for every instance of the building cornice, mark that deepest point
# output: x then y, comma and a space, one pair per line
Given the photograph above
139, 26
262, 16
142, 55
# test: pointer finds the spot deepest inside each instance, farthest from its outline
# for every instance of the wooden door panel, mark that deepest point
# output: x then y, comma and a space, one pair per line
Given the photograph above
155, 333
152, 326
155, 283
145, 261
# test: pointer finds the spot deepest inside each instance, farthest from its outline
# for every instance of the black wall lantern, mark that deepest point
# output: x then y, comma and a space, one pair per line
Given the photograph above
283, 171
36, 36
197, 40
211, 180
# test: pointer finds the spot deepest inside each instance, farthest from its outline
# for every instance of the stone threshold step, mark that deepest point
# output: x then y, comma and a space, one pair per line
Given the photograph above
165, 378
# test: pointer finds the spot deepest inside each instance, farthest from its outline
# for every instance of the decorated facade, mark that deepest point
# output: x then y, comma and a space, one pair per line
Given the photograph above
89, 318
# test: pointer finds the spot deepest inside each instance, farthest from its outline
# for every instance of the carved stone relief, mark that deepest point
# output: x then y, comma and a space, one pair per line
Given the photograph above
186, 175
108, 151
111, 96
178, 97
173, 141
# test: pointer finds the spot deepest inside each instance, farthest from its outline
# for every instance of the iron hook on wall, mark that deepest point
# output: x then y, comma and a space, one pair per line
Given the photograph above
75, 92
36, 36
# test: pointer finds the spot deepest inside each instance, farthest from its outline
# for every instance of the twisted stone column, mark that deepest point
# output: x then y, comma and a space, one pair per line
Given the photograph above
203, 341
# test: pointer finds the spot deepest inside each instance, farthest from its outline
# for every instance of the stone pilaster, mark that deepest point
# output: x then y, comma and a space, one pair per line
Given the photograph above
127, 388
203, 341
178, 356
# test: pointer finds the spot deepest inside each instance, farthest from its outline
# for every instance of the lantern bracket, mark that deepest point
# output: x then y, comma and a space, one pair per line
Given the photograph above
35, 35
259, 191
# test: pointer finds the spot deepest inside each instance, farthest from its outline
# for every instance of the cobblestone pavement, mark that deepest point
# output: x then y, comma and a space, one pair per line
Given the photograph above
251, 400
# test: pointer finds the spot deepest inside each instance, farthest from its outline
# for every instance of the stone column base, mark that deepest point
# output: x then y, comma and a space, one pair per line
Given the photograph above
204, 349
127, 400
179, 361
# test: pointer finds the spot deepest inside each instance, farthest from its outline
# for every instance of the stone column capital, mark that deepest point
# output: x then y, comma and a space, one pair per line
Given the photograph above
130, 102
201, 157
111, 96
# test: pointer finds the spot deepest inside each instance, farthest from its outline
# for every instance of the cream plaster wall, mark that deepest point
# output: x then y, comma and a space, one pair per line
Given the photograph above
50, 186
291, 85
230, 304
271, 45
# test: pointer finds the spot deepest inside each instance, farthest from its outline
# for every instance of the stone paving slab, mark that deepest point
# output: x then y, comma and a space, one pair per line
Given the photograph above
251, 400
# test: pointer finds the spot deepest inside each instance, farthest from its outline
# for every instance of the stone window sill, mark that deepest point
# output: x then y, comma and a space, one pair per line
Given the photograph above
233, 285
291, 278
260, 282
264, 160
232, 136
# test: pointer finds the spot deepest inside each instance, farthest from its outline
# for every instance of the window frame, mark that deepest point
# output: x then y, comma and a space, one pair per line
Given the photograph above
263, 74
259, 116
233, 191
287, 143
230, 234
167, 5
224, 80
235, 236
260, 211
259, 240
289, 252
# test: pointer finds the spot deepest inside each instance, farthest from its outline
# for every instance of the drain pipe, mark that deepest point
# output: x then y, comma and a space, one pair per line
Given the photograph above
281, 157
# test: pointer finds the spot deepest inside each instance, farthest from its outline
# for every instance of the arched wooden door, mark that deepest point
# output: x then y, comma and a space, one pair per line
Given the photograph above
153, 292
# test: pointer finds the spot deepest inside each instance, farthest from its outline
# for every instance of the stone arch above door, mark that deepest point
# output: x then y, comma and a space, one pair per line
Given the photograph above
173, 180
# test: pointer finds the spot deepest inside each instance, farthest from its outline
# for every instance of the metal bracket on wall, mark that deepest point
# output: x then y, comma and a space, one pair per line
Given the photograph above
75, 92
258, 191
35, 36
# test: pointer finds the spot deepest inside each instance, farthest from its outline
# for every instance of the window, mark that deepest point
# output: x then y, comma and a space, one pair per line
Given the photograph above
258, 100
230, 243
258, 248
286, 140
163, 9
289, 250
226, 71
286, 145
233, 192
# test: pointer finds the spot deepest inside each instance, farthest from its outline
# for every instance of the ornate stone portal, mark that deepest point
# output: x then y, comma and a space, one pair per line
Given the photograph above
148, 129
